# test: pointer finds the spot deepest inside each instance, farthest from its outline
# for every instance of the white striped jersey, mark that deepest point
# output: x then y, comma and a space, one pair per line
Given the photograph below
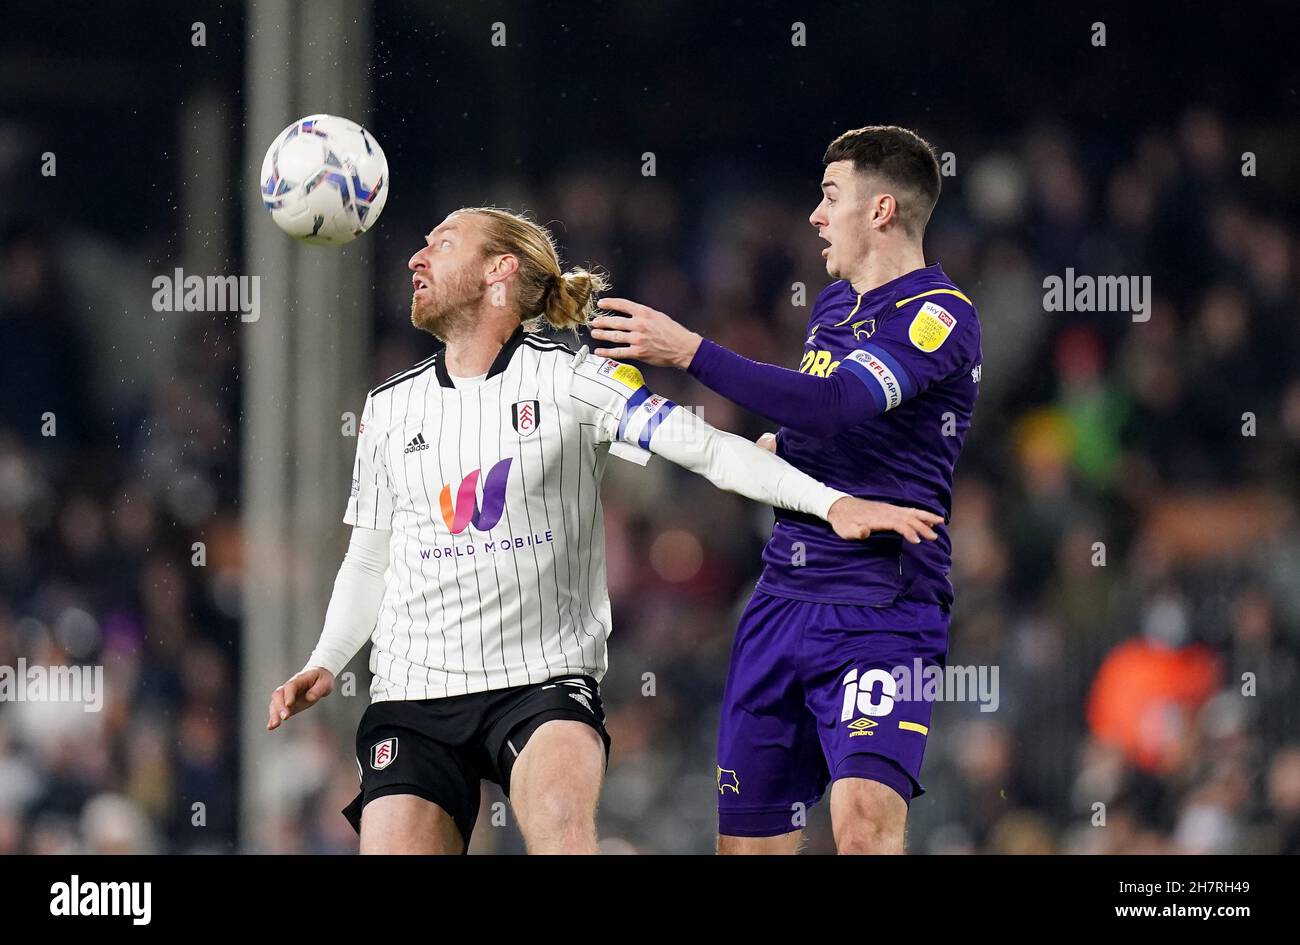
497, 564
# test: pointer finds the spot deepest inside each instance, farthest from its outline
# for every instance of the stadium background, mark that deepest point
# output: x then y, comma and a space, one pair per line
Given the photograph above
1119, 684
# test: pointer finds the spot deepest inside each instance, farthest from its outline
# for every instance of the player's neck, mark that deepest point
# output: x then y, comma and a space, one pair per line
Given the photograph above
471, 353
885, 264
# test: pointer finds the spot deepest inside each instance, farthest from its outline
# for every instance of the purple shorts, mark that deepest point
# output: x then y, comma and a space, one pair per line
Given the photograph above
812, 697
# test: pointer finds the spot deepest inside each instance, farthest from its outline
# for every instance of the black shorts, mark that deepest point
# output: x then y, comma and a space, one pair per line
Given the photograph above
439, 749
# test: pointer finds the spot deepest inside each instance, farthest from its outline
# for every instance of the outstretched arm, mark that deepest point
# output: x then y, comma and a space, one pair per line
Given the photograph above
819, 406
637, 423
733, 463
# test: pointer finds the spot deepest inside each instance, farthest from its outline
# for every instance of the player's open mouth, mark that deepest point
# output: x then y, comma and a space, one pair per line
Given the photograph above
418, 285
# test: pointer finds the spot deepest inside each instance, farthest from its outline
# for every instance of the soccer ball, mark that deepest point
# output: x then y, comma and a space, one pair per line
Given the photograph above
325, 180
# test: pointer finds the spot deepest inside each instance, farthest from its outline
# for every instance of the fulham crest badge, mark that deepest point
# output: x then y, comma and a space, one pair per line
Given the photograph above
383, 753
524, 416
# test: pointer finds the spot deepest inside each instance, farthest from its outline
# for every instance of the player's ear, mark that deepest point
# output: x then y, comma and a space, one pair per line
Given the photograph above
500, 268
884, 210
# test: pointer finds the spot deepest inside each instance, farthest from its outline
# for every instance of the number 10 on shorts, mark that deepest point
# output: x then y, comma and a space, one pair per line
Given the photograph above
860, 695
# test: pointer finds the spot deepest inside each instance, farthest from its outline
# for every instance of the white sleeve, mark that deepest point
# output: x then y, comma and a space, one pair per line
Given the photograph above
354, 605
733, 463
370, 504
605, 392
636, 422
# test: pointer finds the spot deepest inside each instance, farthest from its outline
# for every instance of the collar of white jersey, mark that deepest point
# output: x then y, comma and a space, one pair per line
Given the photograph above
499, 364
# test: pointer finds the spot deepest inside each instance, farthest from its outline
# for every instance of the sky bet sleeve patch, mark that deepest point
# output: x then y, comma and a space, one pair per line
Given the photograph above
931, 327
625, 374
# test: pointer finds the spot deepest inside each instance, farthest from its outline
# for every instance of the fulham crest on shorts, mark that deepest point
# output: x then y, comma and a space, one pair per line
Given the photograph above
383, 753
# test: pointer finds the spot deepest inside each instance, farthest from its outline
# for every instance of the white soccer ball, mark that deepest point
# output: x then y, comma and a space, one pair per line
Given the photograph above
325, 180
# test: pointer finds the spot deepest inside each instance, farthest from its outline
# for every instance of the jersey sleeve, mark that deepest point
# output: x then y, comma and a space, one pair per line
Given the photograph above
919, 346
814, 405
358, 593
370, 504
613, 396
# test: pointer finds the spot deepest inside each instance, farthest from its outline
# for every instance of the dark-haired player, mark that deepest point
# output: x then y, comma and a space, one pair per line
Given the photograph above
879, 408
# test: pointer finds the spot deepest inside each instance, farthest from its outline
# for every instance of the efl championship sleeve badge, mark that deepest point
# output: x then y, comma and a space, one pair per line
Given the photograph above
930, 327
625, 374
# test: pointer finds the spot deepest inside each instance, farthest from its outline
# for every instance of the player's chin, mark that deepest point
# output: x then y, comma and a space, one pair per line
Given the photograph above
422, 315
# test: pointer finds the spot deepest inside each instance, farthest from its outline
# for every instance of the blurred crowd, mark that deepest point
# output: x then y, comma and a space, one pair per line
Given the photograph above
118, 544
1126, 544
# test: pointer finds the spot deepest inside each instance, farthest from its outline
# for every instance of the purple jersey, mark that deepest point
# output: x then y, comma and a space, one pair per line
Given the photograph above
914, 343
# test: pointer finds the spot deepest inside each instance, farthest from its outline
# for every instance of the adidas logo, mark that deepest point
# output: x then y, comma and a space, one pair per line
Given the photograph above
581, 699
416, 444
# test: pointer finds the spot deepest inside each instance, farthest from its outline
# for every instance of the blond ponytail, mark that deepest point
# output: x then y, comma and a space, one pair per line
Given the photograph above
546, 295
570, 299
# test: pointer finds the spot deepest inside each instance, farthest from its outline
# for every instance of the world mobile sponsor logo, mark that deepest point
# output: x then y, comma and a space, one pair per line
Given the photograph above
496, 546
466, 511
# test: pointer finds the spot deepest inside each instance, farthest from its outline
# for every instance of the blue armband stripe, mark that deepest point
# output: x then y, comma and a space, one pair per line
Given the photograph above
652, 424
636, 400
883, 375
869, 381
909, 385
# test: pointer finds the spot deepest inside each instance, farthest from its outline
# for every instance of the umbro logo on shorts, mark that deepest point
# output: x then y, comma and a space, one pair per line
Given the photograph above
383, 753
417, 443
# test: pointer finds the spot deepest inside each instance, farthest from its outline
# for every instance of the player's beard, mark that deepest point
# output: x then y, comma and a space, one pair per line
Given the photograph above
447, 309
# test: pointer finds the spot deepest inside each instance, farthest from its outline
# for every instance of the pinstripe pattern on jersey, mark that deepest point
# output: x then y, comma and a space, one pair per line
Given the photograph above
525, 600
